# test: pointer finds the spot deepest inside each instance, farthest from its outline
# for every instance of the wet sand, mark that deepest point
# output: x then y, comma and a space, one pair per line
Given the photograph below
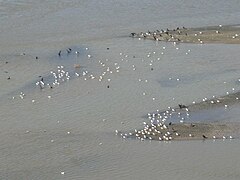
188, 131
162, 129
211, 34
223, 101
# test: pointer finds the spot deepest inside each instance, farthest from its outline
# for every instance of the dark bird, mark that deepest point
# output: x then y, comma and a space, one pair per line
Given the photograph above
68, 50
205, 137
59, 53
133, 34
181, 106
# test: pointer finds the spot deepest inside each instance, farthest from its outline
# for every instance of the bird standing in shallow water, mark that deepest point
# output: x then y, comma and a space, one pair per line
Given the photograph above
59, 53
68, 50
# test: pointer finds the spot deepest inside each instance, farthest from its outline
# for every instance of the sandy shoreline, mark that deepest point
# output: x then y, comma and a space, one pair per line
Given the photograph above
162, 129
186, 131
212, 34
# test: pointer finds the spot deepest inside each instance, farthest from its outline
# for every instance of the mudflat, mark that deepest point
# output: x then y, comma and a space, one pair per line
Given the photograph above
212, 34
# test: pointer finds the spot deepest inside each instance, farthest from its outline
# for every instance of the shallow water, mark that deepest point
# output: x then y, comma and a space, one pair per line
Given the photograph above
35, 143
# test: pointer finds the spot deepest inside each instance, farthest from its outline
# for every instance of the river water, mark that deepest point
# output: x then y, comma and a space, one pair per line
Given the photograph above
68, 132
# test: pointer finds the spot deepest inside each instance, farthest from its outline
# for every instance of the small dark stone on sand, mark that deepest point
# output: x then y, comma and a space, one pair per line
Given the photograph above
6, 62
151, 69
108, 86
36, 57
107, 48
9, 78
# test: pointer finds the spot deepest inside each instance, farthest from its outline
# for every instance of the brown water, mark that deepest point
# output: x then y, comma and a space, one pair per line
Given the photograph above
71, 128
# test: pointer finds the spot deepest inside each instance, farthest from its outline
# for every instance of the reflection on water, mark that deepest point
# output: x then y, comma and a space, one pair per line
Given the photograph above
70, 128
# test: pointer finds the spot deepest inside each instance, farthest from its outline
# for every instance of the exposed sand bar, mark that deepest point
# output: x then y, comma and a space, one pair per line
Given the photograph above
188, 131
223, 101
211, 34
161, 128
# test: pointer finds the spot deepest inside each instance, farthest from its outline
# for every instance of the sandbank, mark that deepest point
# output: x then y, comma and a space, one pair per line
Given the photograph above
228, 34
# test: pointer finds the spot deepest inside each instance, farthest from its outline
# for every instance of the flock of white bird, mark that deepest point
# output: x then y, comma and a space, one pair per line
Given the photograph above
157, 127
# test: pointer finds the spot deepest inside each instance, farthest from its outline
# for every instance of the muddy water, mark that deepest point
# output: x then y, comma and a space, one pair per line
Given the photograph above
68, 132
